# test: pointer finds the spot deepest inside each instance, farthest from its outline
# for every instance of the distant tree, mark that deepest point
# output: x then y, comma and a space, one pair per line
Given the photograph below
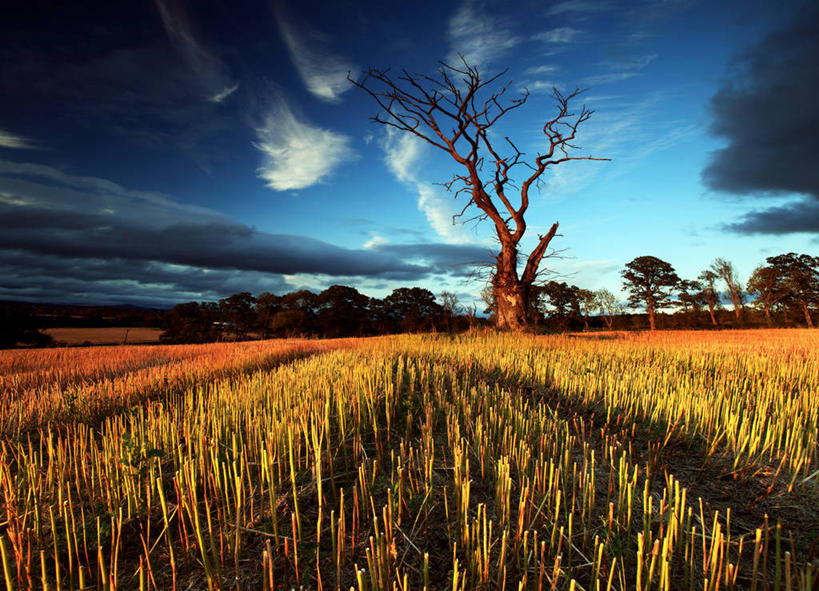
290, 322
768, 283
709, 292
297, 315
342, 311
649, 281
725, 271
559, 302
450, 309
608, 306
488, 298
267, 304
380, 319
586, 300
413, 308
191, 323
800, 274
472, 315
456, 111
238, 313
689, 294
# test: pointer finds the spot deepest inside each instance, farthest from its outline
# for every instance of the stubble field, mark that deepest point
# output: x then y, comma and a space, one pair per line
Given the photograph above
679, 460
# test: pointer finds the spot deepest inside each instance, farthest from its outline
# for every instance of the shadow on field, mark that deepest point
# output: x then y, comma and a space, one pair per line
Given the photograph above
754, 495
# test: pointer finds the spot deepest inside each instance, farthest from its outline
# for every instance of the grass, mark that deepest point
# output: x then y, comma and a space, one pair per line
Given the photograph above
618, 461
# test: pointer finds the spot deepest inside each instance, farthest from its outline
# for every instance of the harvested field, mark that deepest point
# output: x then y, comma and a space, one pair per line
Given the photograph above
621, 461
105, 336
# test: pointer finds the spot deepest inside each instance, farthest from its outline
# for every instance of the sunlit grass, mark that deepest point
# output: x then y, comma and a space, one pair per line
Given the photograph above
670, 461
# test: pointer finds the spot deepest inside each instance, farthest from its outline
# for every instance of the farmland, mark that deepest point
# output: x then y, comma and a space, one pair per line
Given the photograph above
104, 336
675, 460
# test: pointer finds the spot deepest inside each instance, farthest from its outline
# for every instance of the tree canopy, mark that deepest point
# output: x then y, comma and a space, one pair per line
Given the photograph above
649, 282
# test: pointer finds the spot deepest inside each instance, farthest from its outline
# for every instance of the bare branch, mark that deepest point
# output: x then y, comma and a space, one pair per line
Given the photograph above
455, 110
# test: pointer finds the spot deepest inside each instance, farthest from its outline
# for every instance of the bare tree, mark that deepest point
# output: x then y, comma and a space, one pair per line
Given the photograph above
608, 306
455, 111
709, 292
725, 271
587, 300
450, 307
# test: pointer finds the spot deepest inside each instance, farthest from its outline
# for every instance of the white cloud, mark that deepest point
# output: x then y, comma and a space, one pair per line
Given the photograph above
579, 7
402, 154
226, 92
479, 38
298, 155
622, 69
439, 212
323, 73
12, 199
536, 86
609, 78
13, 141
545, 69
376, 241
558, 35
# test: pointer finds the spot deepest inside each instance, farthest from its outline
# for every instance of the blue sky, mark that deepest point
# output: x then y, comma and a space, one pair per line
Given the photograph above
153, 153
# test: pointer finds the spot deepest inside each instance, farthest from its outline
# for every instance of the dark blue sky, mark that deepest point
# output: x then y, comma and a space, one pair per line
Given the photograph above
152, 153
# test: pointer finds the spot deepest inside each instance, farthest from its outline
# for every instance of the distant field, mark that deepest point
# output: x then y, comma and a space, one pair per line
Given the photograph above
618, 461
105, 336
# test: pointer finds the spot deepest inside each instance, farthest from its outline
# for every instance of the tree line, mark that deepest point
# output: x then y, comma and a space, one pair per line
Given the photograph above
338, 311
785, 289
783, 292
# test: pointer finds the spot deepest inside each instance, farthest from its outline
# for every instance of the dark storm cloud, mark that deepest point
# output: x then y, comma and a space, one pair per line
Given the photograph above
63, 236
768, 114
800, 216
444, 258
49, 278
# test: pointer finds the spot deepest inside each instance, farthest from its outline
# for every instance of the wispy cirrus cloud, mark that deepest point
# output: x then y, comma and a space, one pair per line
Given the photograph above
480, 38
621, 69
558, 35
220, 97
209, 69
580, 8
402, 153
297, 154
15, 142
323, 72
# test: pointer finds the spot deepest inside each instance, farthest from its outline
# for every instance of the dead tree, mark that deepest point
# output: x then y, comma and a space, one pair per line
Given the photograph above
454, 111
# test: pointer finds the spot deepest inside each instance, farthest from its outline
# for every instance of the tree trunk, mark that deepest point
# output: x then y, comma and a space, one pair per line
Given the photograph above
711, 311
511, 294
805, 309
510, 290
738, 307
511, 307
768, 315
651, 317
